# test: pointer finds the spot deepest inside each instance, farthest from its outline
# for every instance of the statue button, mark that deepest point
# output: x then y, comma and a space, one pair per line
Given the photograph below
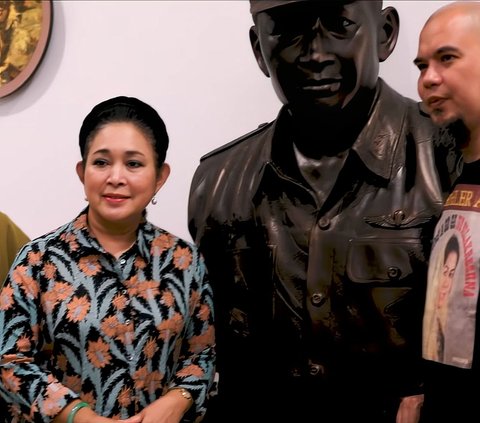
295, 372
324, 223
394, 272
316, 369
317, 299
398, 217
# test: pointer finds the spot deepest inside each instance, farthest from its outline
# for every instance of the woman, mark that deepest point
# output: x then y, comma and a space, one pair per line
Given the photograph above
435, 334
109, 317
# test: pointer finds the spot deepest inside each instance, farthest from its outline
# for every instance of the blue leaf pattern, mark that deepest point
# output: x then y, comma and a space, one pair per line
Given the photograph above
118, 333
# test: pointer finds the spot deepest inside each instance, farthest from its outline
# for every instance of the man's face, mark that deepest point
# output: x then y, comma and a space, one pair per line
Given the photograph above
320, 54
449, 63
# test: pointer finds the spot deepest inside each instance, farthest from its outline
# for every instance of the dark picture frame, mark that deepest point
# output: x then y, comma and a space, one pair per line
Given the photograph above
25, 28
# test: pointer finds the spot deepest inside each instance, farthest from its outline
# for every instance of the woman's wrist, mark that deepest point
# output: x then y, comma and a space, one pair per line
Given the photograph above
75, 409
72, 412
185, 393
182, 393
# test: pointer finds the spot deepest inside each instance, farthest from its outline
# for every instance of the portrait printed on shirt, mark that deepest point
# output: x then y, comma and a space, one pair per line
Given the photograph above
453, 281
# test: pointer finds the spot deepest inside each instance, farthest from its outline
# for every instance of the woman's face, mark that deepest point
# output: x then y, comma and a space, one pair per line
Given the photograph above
446, 281
120, 175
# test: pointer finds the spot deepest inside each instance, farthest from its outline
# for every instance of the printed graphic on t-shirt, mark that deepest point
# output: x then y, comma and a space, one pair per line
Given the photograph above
453, 281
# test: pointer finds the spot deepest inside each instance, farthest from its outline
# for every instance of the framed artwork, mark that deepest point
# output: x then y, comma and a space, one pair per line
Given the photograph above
25, 27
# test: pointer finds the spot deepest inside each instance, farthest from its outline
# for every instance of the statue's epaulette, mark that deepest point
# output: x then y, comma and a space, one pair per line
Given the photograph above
235, 141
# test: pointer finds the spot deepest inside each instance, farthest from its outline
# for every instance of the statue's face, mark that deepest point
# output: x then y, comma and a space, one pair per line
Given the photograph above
319, 53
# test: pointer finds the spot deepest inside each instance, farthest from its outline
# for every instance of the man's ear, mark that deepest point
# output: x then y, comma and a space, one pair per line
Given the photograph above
388, 33
255, 43
80, 171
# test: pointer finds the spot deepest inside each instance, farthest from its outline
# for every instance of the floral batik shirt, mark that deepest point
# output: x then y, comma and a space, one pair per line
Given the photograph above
75, 322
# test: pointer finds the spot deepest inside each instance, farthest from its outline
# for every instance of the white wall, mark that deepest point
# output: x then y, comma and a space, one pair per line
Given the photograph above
190, 59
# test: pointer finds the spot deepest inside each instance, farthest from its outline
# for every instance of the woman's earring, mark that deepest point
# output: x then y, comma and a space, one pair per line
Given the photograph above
154, 201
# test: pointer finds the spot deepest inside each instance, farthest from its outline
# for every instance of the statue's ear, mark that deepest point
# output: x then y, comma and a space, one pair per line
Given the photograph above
388, 32
255, 43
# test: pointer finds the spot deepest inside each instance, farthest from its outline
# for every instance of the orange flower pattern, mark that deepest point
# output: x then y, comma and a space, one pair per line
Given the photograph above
117, 333
99, 353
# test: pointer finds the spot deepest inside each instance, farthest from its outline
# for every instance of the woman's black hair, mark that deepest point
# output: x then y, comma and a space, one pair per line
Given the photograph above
126, 109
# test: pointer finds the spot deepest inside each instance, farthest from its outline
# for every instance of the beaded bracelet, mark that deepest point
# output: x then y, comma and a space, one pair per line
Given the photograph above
74, 410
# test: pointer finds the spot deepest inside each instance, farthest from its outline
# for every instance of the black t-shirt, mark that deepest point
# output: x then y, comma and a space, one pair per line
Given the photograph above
452, 390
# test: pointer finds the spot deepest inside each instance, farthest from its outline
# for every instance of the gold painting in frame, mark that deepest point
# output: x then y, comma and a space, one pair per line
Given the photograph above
25, 27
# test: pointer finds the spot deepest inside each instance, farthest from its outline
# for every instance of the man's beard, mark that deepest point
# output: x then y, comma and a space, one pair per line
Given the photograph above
459, 131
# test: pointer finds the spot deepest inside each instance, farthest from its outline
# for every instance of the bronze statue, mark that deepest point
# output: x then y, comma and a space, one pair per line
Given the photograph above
316, 227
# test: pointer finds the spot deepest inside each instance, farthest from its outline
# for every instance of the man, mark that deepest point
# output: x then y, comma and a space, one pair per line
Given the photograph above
315, 227
449, 85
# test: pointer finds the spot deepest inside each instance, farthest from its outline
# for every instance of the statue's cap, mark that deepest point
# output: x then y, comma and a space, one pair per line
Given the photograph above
257, 6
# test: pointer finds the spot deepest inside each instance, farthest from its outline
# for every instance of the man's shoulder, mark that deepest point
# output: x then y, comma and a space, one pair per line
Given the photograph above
390, 95
238, 142
7, 224
4, 219
408, 111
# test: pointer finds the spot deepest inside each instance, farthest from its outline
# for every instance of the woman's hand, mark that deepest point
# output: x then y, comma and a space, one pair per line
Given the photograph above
170, 408
409, 409
87, 415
